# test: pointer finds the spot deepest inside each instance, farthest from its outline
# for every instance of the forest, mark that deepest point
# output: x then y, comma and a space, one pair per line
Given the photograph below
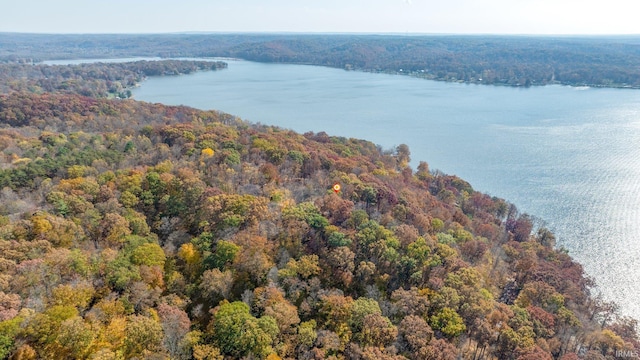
597, 61
93, 79
142, 231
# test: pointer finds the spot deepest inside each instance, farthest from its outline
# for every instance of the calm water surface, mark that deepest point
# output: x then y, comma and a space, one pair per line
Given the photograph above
570, 156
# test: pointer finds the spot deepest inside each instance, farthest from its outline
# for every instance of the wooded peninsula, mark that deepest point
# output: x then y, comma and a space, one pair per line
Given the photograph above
131, 230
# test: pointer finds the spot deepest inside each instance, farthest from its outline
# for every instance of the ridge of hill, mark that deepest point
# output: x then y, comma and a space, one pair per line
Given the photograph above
135, 230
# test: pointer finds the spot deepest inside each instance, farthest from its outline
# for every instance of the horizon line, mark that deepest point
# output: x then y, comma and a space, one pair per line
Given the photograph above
329, 33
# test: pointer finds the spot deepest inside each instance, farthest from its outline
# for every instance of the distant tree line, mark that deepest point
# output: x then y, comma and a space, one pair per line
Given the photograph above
503, 60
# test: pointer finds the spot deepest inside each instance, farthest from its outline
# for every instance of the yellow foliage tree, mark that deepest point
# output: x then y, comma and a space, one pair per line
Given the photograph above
112, 336
206, 352
41, 226
191, 257
79, 295
189, 254
207, 153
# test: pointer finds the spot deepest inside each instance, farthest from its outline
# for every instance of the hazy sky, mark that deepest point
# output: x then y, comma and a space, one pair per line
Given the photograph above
378, 16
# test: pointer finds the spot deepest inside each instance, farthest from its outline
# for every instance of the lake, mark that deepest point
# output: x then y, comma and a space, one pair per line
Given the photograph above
568, 156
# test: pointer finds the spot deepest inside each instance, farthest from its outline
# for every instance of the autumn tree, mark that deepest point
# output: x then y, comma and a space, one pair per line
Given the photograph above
217, 283
238, 333
175, 325
448, 322
143, 336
